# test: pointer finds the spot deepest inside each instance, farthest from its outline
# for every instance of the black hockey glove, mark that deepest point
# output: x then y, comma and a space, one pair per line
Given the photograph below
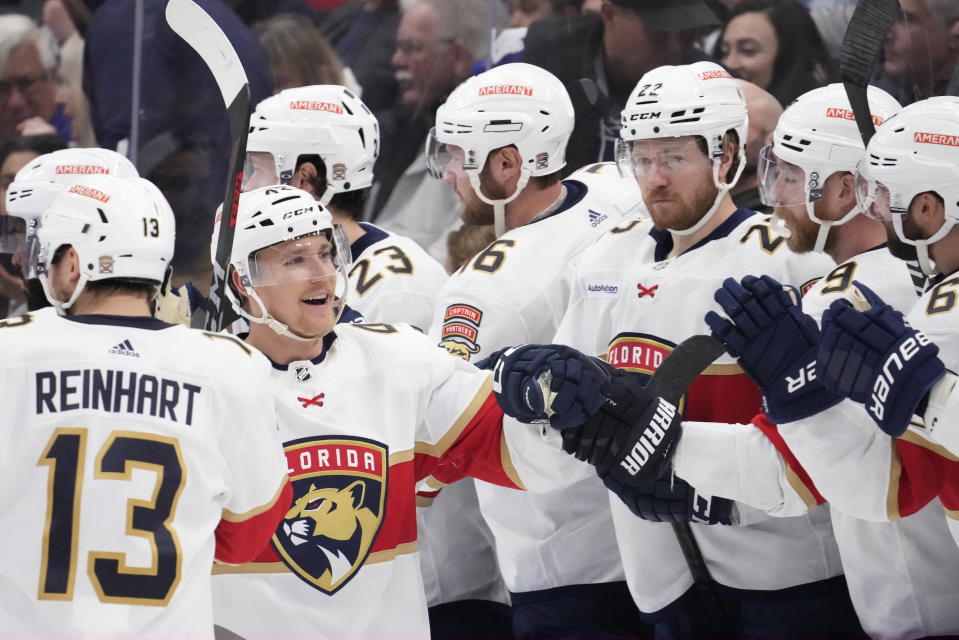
671, 499
633, 435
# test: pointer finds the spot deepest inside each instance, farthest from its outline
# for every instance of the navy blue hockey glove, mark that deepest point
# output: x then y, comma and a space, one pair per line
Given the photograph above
633, 435
875, 358
489, 362
775, 343
537, 383
671, 499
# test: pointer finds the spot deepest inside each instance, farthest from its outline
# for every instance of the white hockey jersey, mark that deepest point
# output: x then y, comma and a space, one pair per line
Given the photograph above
125, 441
343, 563
392, 279
910, 593
631, 305
515, 292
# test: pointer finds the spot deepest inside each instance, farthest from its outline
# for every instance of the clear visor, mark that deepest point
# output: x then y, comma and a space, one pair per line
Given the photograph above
259, 170
442, 157
781, 183
872, 196
322, 259
666, 156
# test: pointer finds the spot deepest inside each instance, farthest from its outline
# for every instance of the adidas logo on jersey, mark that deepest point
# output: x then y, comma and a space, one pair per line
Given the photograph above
125, 348
595, 217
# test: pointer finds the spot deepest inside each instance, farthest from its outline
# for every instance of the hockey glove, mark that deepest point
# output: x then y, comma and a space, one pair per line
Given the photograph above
489, 362
538, 383
671, 499
875, 358
633, 435
775, 343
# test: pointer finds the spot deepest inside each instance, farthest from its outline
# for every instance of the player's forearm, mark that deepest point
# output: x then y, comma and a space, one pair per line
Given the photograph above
240, 541
737, 462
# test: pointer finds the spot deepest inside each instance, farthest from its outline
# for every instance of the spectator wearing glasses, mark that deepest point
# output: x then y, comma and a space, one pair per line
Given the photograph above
436, 45
27, 87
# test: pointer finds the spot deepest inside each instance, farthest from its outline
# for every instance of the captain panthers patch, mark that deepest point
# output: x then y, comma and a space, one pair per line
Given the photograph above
339, 497
461, 324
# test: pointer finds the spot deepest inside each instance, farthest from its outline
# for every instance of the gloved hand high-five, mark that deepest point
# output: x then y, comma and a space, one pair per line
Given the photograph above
875, 358
607, 417
775, 344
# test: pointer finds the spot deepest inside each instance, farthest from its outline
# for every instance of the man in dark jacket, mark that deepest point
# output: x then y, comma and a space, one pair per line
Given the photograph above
615, 49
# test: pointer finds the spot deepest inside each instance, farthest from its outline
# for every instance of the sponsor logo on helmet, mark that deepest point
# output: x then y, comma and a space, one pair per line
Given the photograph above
925, 137
714, 74
339, 171
106, 264
339, 500
847, 114
542, 161
90, 192
645, 116
83, 169
506, 89
313, 105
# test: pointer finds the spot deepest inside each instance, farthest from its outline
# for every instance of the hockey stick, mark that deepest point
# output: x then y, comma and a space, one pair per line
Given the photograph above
194, 25
859, 55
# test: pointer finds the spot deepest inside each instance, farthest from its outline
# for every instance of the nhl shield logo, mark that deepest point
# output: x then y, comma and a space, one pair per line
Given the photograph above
339, 497
302, 373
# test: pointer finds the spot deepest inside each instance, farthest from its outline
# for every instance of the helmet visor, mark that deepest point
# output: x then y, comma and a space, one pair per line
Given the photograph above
442, 157
311, 258
664, 156
872, 196
259, 170
781, 183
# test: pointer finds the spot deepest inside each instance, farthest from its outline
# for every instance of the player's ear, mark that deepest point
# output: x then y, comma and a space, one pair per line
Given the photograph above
304, 177
730, 159
846, 192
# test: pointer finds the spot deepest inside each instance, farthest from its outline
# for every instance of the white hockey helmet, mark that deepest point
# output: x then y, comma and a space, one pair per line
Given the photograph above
699, 99
816, 137
271, 216
514, 104
915, 151
325, 120
40, 180
121, 228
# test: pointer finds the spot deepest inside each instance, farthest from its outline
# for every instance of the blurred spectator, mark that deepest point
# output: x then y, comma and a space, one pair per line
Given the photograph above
183, 134
523, 13
775, 45
58, 18
253, 11
299, 55
614, 49
364, 34
764, 112
14, 155
464, 243
921, 51
437, 43
27, 84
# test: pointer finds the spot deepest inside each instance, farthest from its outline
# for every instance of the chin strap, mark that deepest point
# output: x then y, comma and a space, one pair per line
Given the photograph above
826, 225
273, 323
922, 246
499, 206
722, 190
61, 307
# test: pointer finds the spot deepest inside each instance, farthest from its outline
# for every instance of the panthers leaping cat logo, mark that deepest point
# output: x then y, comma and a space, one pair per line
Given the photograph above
339, 488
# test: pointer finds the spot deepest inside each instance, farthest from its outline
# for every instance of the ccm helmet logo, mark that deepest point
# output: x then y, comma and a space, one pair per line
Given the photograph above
296, 212
653, 434
649, 115
892, 366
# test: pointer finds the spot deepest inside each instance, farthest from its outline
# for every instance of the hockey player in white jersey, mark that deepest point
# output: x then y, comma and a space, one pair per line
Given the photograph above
369, 414
324, 140
500, 142
135, 452
35, 186
642, 289
807, 176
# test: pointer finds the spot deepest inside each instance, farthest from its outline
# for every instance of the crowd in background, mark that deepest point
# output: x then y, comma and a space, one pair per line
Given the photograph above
74, 73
